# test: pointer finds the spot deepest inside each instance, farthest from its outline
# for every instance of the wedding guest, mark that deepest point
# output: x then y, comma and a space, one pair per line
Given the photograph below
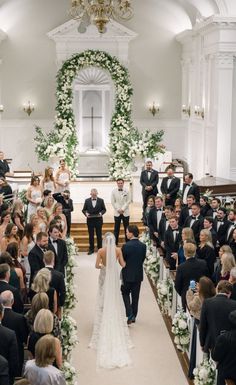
172, 242
94, 208
67, 206
150, 205
41, 370
134, 254
120, 200
49, 205
178, 204
43, 325
17, 216
233, 243
27, 244
187, 237
227, 263
62, 177
47, 181
5, 220
15, 322
221, 225
4, 206
232, 280
35, 256
13, 250
155, 216
4, 371
164, 223
59, 248
34, 220
190, 188
224, 353
192, 269
42, 219
8, 348
41, 284
186, 210
217, 273
195, 221
5, 189
149, 180
4, 167
205, 207
34, 196
4, 285
206, 250
170, 186
208, 225
41, 301
232, 226
215, 205
57, 211
46, 193
16, 277
11, 235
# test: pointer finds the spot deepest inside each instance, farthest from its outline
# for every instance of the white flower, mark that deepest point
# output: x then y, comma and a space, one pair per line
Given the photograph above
182, 324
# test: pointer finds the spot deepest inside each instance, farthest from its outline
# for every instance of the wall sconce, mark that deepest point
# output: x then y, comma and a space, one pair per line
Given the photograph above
186, 110
154, 109
199, 112
1, 108
28, 108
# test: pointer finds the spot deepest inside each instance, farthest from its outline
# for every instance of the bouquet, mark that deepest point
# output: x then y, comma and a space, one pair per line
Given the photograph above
205, 373
181, 330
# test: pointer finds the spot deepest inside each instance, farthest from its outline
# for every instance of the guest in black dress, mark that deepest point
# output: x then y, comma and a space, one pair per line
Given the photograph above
150, 205
206, 250
41, 284
205, 207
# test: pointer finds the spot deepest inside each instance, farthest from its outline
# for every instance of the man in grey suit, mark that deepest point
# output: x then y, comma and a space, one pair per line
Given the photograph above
120, 200
134, 254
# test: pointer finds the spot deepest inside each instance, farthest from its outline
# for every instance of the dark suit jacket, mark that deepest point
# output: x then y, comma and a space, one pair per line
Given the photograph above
35, 258
191, 269
58, 282
9, 350
196, 227
184, 214
172, 246
163, 226
17, 323
210, 213
4, 371
152, 220
67, 206
172, 190
214, 319
205, 209
18, 303
214, 236
6, 191
222, 231
98, 209
4, 168
194, 190
134, 253
154, 179
61, 257
224, 354
207, 253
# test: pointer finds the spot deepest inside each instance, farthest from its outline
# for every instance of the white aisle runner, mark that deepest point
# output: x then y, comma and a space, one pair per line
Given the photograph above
154, 358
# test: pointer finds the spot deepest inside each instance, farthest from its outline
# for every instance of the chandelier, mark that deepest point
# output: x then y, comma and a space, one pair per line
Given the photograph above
99, 12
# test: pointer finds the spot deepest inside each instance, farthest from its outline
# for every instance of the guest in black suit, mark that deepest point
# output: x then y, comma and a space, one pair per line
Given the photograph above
93, 209
192, 269
224, 352
134, 254
208, 225
232, 226
172, 242
5, 189
204, 205
233, 243
190, 188
232, 280
4, 167
195, 221
164, 223
206, 250
57, 279
4, 285
58, 246
155, 216
170, 186
186, 210
15, 322
149, 180
35, 256
8, 348
67, 206
221, 226
4, 371
215, 205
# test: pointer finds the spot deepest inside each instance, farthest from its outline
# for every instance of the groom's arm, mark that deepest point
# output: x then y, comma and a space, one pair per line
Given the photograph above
124, 252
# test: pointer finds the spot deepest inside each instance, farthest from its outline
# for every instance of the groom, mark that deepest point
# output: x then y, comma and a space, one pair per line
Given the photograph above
134, 253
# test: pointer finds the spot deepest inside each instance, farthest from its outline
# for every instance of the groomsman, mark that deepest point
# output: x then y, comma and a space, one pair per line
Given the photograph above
172, 242
59, 248
186, 211
170, 187
149, 180
4, 167
221, 226
93, 209
155, 216
195, 221
215, 205
120, 200
190, 188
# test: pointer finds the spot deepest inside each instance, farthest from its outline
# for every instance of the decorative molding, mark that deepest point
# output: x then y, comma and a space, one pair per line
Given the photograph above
225, 60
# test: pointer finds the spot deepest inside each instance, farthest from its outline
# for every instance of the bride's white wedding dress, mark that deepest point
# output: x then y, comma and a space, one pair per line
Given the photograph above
110, 333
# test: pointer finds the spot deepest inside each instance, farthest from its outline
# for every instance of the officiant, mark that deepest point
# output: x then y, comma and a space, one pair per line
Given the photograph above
93, 209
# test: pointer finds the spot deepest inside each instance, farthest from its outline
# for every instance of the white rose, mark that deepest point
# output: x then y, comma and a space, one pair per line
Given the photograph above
203, 374
182, 324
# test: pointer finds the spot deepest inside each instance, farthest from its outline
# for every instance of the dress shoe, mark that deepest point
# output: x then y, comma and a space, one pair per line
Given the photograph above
90, 252
133, 320
129, 321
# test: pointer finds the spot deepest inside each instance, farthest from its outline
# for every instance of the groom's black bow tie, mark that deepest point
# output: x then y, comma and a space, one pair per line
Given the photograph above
94, 199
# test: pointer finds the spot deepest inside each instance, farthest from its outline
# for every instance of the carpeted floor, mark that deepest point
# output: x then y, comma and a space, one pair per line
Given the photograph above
154, 358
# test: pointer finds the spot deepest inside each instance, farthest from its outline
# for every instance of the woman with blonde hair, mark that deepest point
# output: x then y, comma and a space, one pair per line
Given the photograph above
206, 250
34, 196
42, 219
11, 235
5, 220
48, 182
187, 236
43, 325
17, 216
217, 273
62, 177
41, 370
41, 284
49, 203
34, 221
227, 263
57, 211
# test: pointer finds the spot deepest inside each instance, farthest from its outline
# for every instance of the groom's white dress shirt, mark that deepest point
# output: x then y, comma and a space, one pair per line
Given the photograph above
120, 200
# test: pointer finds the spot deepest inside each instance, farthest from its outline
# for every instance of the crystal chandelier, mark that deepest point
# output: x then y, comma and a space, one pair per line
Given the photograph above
99, 12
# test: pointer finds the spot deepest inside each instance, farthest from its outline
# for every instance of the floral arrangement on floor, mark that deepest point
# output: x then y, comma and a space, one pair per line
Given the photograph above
181, 330
152, 262
165, 295
205, 373
125, 140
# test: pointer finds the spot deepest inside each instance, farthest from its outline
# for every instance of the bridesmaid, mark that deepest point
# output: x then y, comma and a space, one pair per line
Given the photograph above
48, 182
62, 177
34, 196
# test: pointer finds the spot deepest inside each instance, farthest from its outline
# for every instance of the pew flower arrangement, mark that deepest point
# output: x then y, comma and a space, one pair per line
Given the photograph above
205, 373
69, 335
152, 262
164, 295
69, 373
181, 330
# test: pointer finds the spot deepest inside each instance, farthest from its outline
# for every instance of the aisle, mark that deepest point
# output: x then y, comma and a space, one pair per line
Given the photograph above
154, 358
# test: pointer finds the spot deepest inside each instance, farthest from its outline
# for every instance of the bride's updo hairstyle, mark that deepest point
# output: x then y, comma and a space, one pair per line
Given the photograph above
108, 236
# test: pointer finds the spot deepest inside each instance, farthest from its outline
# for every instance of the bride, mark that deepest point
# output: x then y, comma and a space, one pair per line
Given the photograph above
110, 333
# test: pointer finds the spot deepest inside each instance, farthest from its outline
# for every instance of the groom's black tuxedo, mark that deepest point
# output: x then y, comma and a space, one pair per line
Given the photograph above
4, 168
134, 253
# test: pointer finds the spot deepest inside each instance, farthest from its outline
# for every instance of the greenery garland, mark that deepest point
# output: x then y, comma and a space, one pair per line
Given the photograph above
125, 140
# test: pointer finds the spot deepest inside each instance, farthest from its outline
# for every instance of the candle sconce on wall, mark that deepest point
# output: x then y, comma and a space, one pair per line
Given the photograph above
154, 109
199, 112
1, 108
186, 110
28, 108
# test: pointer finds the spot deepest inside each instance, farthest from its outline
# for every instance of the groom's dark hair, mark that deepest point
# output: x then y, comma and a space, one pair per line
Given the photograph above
133, 229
